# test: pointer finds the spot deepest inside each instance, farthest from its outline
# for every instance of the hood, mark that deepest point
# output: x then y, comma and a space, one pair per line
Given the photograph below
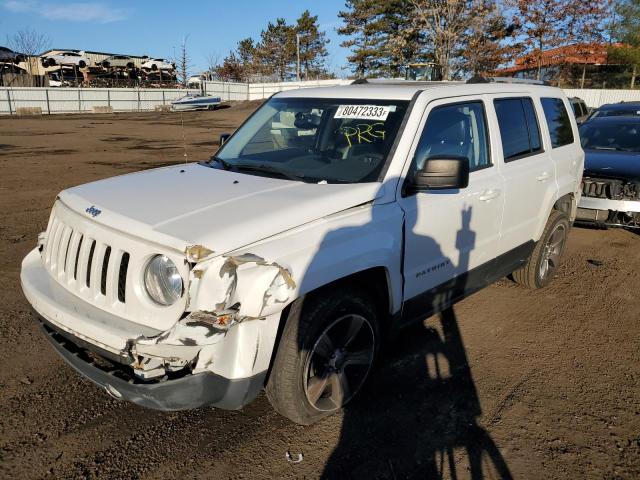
609, 163
220, 210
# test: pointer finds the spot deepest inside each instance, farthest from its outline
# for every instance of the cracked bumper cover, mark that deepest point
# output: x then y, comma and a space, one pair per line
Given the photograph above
187, 392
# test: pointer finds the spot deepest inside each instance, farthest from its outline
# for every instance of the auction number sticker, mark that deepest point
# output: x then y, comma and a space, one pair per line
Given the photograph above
363, 112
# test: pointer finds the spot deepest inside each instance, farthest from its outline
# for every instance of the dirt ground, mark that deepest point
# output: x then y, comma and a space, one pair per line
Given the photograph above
511, 383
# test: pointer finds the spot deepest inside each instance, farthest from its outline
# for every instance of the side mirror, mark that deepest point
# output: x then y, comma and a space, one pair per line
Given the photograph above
441, 173
224, 137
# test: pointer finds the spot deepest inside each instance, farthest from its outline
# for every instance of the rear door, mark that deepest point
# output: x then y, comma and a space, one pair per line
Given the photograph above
564, 145
528, 170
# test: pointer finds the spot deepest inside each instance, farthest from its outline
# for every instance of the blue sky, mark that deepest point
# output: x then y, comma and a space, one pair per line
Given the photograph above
155, 28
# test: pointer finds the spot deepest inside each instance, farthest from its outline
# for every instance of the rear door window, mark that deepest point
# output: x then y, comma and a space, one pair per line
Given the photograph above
558, 120
519, 129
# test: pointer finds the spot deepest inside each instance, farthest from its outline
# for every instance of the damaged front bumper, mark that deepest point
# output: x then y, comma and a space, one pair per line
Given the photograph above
609, 213
198, 361
177, 392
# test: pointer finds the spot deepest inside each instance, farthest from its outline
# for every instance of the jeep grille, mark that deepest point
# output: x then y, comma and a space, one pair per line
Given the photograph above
84, 262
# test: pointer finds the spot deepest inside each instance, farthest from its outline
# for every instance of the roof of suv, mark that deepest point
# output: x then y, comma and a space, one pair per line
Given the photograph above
405, 90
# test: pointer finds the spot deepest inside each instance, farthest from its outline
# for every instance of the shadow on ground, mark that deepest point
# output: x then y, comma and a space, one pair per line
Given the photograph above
425, 385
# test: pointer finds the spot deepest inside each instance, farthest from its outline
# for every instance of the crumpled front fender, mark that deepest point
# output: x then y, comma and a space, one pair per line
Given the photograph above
254, 286
247, 285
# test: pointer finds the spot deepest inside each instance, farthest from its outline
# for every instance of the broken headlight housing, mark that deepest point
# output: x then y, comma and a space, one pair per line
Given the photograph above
162, 281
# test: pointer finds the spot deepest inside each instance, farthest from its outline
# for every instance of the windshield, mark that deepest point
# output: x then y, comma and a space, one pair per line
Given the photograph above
611, 136
316, 140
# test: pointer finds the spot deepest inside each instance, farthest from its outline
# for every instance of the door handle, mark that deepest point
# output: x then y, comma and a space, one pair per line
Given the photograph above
543, 177
488, 195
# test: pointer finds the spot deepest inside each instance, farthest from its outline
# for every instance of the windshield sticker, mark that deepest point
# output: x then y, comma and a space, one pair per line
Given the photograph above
363, 112
363, 133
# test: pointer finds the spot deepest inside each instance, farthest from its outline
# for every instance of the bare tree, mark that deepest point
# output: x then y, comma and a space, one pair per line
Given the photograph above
443, 24
213, 63
31, 44
183, 63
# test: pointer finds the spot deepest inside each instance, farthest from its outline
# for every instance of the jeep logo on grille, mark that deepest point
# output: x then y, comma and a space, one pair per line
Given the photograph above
93, 211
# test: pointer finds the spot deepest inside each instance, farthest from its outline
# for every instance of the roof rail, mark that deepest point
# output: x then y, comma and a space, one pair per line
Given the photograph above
527, 81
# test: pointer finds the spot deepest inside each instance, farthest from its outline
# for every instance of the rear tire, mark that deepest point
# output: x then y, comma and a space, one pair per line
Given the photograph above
325, 354
545, 259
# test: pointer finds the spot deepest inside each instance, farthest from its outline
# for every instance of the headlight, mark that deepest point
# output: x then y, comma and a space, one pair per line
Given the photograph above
162, 280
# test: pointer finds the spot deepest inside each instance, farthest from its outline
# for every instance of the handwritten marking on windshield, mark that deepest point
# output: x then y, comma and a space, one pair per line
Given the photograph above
363, 133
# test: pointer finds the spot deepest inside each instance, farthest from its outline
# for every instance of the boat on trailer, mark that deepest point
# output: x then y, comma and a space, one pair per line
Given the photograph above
196, 101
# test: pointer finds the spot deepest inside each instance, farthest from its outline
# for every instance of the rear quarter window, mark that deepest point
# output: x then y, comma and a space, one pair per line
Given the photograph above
519, 129
558, 120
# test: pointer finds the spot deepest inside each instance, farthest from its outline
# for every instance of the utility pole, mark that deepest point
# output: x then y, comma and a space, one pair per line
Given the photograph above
298, 56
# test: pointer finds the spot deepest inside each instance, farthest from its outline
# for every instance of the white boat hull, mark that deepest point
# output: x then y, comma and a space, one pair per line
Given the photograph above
206, 102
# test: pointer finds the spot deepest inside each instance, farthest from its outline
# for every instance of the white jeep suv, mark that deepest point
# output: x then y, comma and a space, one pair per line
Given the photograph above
331, 216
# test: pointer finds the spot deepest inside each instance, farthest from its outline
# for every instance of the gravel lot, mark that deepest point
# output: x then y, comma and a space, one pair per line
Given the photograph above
512, 382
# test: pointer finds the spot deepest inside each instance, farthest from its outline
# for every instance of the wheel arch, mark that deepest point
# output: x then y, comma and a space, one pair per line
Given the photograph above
568, 205
376, 280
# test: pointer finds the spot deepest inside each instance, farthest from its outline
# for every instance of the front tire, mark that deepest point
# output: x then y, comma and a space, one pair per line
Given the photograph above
545, 259
326, 352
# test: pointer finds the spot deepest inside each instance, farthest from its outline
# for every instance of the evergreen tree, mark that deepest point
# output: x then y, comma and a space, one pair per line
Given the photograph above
360, 25
276, 51
628, 33
401, 42
231, 69
484, 47
246, 52
313, 46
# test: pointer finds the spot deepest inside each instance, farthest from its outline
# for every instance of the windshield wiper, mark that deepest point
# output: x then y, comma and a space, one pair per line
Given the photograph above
226, 165
267, 169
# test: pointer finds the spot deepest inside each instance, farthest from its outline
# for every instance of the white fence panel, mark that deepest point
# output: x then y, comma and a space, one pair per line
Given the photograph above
27, 97
227, 91
257, 91
123, 99
66, 100
70, 100
60, 101
595, 98
90, 98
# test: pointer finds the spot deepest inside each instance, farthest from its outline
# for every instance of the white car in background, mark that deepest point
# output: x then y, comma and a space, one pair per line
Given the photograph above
117, 61
158, 64
65, 58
